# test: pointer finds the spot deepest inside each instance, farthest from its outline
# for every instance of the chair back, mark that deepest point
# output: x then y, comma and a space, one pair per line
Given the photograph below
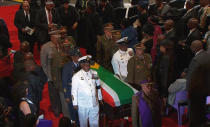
180, 96
44, 123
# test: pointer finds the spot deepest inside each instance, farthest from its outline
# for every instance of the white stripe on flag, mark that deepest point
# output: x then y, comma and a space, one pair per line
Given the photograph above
111, 92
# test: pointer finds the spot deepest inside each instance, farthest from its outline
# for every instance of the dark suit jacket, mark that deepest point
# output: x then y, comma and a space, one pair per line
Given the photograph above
20, 22
182, 23
171, 35
42, 24
195, 35
197, 60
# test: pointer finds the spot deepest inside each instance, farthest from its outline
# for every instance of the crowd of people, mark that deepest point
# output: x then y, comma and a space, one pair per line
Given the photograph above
157, 47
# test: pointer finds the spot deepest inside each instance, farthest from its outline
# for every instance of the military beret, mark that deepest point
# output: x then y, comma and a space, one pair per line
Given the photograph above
146, 82
54, 32
66, 1
75, 52
139, 46
123, 41
85, 59
143, 4
48, 2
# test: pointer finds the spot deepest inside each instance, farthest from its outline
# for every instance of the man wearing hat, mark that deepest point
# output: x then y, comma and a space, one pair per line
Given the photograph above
121, 57
139, 67
47, 57
69, 70
86, 93
146, 106
24, 18
104, 47
47, 19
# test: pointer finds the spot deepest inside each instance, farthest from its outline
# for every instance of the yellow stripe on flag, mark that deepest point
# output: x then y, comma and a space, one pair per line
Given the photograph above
95, 66
18, 1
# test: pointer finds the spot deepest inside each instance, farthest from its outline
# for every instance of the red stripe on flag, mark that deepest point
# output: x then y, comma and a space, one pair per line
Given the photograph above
107, 98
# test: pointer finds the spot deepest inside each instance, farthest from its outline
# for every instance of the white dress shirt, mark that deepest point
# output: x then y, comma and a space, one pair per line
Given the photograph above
84, 91
120, 61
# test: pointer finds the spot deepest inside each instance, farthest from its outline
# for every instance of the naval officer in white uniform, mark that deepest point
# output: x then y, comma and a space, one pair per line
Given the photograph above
121, 57
86, 93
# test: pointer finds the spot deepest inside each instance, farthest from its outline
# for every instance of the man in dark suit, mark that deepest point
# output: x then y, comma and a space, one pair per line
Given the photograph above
194, 33
69, 18
182, 24
170, 32
89, 27
47, 19
198, 59
24, 19
68, 71
105, 10
198, 84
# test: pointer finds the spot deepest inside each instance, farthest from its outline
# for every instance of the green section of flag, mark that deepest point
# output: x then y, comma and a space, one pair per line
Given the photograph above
123, 91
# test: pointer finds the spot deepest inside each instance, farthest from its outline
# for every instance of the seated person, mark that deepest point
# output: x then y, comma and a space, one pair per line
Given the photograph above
146, 107
177, 86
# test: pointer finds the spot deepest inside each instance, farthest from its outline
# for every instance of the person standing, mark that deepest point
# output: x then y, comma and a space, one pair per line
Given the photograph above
69, 18
89, 27
86, 93
25, 23
139, 67
47, 19
121, 57
104, 47
46, 56
69, 70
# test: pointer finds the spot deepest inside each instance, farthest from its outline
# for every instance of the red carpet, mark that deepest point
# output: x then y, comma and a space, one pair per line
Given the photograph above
7, 13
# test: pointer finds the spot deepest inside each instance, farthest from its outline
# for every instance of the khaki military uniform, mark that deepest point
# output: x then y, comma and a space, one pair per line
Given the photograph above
57, 64
116, 35
104, 52
139, 69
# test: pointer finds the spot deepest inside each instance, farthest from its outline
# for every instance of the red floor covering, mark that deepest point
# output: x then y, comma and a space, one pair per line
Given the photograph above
7, 13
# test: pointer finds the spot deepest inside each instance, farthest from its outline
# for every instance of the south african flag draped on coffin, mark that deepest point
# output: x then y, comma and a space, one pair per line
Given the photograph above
115, 92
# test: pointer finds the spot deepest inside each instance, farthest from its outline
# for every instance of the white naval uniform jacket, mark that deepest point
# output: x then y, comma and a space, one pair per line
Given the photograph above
84, 91
120, 61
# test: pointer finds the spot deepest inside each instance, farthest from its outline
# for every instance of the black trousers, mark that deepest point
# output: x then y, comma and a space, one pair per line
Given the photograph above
54, 99
197, 110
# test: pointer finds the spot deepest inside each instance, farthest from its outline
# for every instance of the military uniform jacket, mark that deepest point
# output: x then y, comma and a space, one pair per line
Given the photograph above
138, 69
56, 68
104, 51
84, 89
46, 55
120, 61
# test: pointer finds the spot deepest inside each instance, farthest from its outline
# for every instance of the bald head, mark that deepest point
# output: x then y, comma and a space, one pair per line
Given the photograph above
192, 23
196, 46
169, 24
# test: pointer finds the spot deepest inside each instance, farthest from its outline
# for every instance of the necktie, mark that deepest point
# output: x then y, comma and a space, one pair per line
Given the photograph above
50, 17
27, 19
